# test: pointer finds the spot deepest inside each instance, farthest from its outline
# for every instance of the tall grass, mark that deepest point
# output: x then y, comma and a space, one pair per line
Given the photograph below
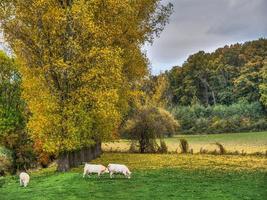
184, 146
222, 150
163, 147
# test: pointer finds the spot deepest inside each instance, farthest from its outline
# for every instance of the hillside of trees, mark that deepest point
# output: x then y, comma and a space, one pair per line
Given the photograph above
222, 91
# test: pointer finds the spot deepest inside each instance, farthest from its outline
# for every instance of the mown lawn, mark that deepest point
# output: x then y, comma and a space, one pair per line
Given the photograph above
153, 177
250, 142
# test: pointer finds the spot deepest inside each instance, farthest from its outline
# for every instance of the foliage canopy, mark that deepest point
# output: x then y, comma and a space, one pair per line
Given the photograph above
148, 124
79, 61
13, 115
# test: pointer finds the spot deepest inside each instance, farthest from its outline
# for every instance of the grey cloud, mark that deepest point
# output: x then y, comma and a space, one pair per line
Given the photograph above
206, 25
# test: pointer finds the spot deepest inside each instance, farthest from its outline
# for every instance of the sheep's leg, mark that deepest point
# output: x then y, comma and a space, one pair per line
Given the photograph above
84, 173
110, 175
125, 174
128, 174
20, 182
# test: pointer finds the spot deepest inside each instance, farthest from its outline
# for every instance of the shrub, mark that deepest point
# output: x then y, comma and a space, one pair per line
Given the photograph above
222, 150
201, 125
2, 181
133, 147
14, 115
184, 146
203, 150
23, 156
152, 147
217, 125
43, 158
241, 116
147, 124
163, 147
5, 165
191, 151
5, 161
260, 124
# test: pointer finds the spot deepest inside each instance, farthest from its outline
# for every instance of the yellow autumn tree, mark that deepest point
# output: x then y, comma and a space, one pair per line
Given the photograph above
79, 60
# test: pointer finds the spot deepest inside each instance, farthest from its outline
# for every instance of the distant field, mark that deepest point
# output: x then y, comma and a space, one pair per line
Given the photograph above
247, 142
154, 176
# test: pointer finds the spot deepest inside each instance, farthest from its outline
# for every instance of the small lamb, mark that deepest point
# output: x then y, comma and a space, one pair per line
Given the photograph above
119, 169
91, 168
24, 179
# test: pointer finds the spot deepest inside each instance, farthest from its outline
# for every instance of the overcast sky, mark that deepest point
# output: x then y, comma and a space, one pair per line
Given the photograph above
206, 25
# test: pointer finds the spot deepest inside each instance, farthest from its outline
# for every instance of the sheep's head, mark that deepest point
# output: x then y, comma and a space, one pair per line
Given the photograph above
106, 170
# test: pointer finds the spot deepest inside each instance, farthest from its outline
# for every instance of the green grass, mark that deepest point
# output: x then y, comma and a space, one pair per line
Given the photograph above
248, 142
250, 138
156, 176
153, 184
153, 177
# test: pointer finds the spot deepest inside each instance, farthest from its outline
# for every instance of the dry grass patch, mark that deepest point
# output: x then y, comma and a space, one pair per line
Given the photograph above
188, 161
241, 142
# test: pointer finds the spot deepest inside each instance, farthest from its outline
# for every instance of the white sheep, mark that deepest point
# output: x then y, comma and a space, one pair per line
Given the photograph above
24, 179
91, 168
119, 169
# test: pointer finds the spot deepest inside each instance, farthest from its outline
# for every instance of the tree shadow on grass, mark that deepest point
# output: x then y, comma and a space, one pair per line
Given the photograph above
106, 178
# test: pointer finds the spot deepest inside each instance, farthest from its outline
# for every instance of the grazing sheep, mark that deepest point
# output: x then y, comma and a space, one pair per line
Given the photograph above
24, 179
90, 169
119, 169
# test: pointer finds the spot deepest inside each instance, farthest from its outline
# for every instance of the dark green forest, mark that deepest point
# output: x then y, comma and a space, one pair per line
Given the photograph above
222, 91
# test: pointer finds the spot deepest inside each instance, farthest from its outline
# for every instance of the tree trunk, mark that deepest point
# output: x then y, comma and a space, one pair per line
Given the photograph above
207, 86
63, 163
213, 97
142, 144
142, 147
68, 160
206, 95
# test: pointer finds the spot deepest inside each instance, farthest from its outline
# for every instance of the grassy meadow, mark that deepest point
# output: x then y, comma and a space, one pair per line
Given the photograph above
250, 142
160, 176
